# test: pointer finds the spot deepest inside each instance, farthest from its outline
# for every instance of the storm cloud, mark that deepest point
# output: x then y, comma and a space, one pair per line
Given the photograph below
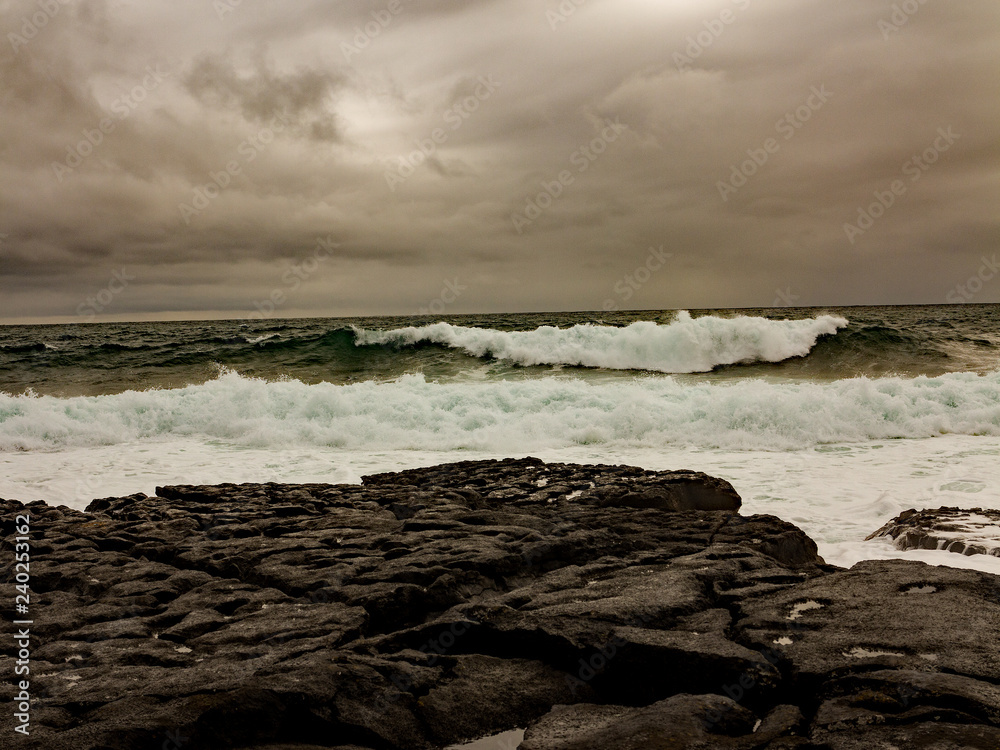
573, 155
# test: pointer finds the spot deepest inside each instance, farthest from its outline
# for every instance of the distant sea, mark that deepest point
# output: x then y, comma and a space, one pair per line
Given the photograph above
835, 419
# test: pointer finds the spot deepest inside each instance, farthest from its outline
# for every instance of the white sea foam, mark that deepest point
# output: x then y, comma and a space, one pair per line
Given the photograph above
685, 345
412, 413
838, 494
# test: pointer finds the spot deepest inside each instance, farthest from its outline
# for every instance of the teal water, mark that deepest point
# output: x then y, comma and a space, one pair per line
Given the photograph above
109, 358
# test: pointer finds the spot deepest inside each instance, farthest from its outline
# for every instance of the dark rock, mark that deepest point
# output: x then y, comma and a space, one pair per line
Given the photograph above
967, 532
677, 722
880, 614
488, 694
932, 734
597, 606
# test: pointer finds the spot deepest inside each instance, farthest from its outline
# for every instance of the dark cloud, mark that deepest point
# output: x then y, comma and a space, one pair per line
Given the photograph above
389, 144
307, 96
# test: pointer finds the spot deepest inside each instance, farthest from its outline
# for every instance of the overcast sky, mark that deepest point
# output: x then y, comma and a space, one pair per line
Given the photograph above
191, 159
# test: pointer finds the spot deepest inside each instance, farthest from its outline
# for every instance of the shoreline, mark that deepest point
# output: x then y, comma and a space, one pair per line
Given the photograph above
838, 496
436, 595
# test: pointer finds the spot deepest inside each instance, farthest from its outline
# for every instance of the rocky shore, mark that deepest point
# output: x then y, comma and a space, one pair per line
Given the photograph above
591, 606
973, 531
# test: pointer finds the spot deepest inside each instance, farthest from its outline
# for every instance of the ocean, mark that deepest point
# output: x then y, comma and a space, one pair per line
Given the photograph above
835, 419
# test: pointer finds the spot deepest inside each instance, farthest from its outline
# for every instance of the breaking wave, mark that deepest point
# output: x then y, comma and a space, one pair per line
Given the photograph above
411, 413
683, 346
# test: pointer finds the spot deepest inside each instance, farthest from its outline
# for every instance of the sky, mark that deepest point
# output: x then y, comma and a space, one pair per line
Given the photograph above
188, 160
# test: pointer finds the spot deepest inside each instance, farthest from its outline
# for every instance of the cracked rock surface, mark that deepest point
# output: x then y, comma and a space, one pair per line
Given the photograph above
595, 606
966, 532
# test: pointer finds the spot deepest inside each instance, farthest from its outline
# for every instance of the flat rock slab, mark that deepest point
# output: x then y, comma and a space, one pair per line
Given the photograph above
592, 606
967, 532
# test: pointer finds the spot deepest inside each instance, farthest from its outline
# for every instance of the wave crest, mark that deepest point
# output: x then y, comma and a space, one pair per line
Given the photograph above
685, 345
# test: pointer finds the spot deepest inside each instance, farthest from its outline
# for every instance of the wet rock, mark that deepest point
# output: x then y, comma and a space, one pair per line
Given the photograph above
889, 613
596, 606
967, 532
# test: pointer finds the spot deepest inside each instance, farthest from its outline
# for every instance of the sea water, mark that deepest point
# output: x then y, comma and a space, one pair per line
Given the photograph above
833, 419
